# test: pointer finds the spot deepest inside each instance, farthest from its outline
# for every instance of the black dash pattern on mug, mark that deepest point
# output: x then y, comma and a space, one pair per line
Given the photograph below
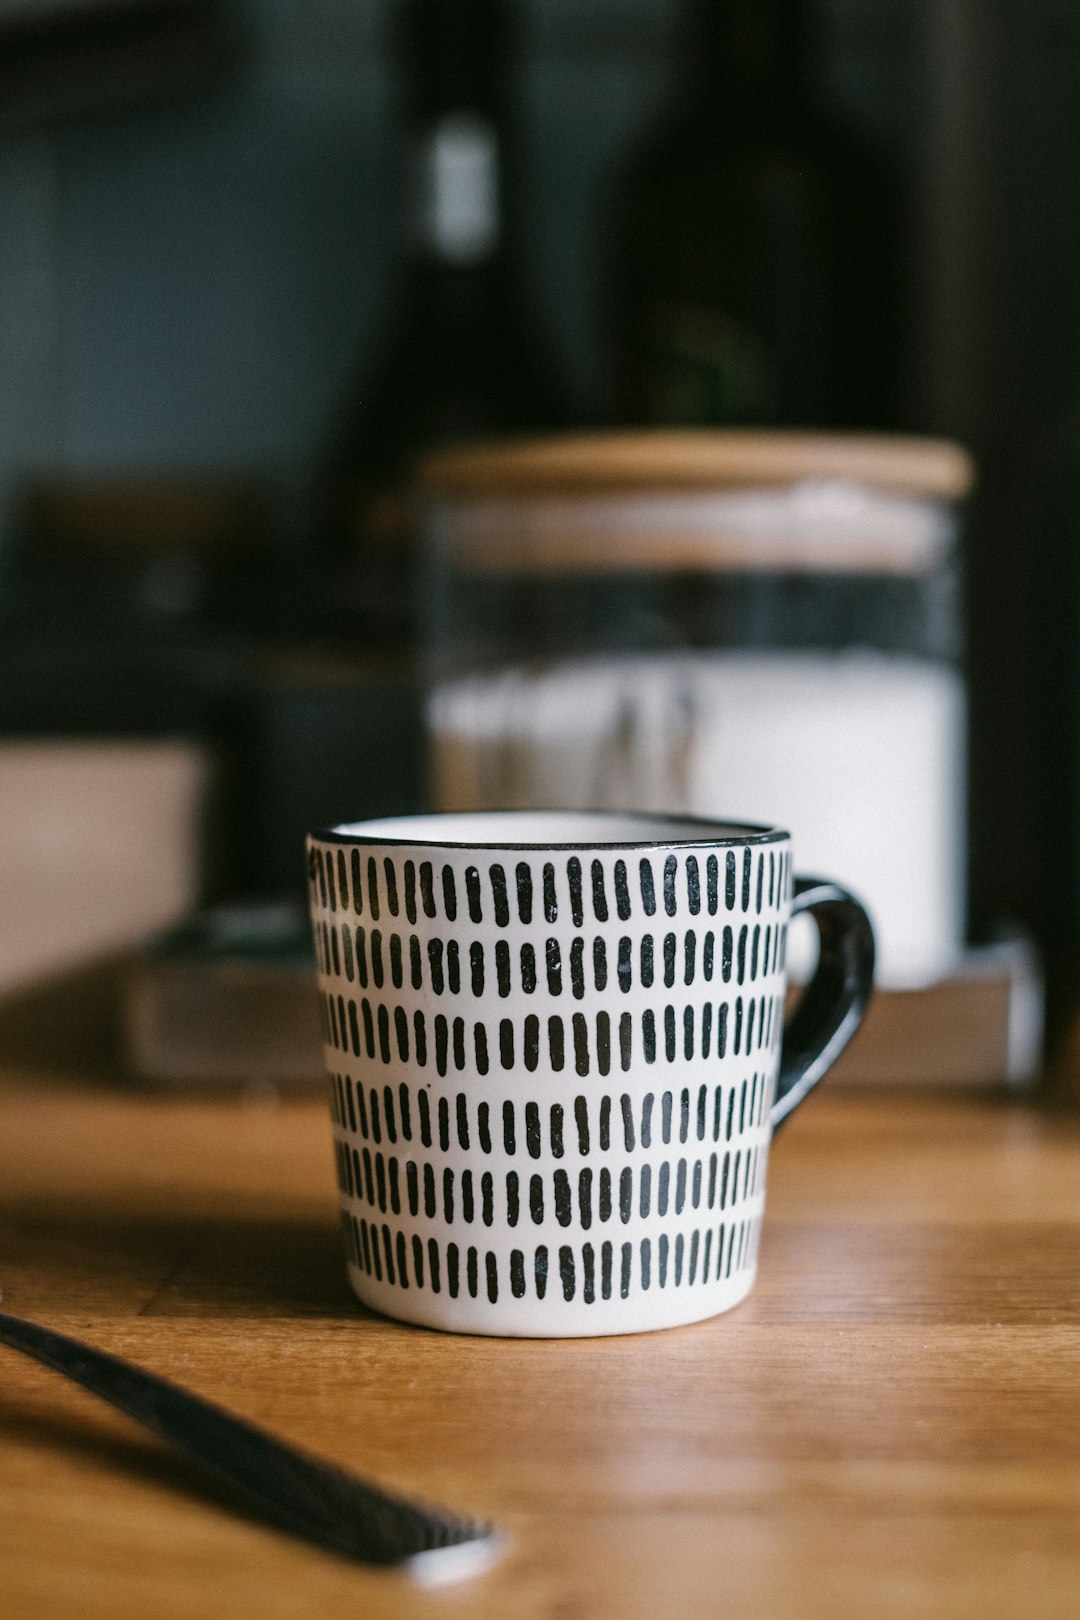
583, 887
598, 1268
684, 1127
352, 958
694, 1030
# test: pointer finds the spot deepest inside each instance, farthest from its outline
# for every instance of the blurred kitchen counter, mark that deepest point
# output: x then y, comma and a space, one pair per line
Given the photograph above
889, 1426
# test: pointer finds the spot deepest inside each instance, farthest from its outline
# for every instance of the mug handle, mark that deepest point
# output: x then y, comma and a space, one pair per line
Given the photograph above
832, 1006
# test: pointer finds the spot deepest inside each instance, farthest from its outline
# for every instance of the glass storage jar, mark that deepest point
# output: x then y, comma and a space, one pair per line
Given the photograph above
747, 624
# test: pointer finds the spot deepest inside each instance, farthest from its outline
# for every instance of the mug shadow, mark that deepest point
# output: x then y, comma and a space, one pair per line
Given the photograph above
245, 1263
241, 1266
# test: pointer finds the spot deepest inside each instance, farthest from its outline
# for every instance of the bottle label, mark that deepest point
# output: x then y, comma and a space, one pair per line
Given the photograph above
457, 189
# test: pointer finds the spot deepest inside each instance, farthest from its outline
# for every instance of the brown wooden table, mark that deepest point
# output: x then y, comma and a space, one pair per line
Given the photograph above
890, 1426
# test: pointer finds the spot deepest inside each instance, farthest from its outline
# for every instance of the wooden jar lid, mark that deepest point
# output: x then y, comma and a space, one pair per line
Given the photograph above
698, 461
702, 502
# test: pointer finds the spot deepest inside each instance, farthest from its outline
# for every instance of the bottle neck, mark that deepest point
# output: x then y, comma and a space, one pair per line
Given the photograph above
455, 64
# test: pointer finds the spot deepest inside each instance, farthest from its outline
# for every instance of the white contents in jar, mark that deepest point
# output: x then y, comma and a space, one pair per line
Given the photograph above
859, 755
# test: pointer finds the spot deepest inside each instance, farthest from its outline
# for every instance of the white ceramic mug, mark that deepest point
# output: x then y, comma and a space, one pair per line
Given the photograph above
557, 1055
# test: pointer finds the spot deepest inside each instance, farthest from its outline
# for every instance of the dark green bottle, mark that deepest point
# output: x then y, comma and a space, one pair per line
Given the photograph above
461, 356
754, 273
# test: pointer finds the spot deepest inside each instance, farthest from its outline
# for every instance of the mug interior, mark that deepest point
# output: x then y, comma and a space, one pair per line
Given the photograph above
551, 829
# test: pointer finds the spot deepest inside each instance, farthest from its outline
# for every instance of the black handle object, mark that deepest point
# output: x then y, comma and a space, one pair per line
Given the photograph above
283, 1486
833, 1004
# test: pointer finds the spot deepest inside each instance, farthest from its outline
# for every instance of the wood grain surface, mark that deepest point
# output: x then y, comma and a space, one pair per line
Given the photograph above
889, 1427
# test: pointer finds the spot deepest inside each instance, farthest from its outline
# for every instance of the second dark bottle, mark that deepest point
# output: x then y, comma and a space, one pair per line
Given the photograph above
753, 270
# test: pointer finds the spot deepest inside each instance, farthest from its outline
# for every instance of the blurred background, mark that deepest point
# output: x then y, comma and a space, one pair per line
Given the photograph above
258, 258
